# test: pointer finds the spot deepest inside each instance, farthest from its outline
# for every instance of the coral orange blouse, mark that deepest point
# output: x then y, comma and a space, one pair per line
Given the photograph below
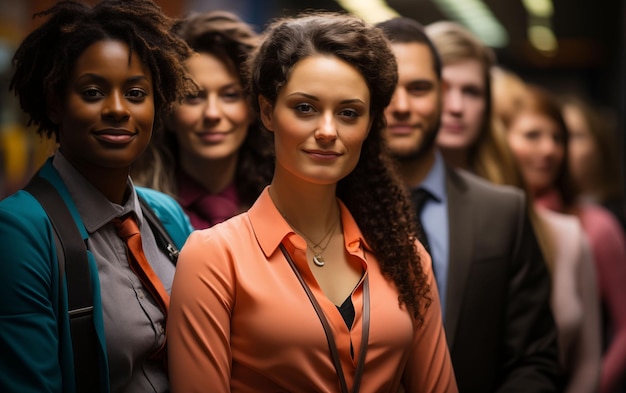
241, 322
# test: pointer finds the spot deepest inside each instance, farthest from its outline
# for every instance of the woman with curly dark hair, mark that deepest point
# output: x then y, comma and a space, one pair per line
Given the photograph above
321, 285
98, 79
213, 157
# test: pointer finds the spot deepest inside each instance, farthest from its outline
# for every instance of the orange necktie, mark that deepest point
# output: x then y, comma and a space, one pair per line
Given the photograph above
128, 230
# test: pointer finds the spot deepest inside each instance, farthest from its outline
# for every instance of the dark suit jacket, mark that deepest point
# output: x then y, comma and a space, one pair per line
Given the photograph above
498, 321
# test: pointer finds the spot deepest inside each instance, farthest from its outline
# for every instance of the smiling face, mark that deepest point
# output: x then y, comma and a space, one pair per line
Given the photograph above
213, 124
320, 119
464, 104
538, 146
106, 116
413, 114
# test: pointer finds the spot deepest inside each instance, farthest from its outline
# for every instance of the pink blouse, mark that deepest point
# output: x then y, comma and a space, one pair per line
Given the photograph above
575, 302
608, 246
241, 322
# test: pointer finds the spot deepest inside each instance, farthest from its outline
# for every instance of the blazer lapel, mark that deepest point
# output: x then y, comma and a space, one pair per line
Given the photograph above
460, 249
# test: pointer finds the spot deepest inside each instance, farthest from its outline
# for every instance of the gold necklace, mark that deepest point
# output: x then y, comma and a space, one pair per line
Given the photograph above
318, 259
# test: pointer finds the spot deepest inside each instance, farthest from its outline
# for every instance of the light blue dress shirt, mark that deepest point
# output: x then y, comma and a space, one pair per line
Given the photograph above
434, 218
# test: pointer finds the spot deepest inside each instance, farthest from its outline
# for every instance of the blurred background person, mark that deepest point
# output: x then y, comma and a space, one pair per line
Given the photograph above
466, 137
212, 156
593, 157
469, 139
537, 136
575, 297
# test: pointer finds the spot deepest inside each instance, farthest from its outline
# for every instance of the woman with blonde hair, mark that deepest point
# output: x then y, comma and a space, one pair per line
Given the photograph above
537, 136
575, 299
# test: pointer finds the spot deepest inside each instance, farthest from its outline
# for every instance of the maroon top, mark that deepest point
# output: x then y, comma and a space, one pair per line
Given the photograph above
203, 208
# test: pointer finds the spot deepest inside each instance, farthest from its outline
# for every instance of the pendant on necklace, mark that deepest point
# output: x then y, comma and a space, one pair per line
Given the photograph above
319, 260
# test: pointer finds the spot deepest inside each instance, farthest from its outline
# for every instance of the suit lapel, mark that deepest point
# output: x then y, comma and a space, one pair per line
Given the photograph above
460, 248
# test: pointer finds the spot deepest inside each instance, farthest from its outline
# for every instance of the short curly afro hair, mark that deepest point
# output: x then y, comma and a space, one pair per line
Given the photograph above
43, 62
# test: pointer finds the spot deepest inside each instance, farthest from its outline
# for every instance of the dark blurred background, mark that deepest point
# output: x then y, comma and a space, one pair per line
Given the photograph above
567, 46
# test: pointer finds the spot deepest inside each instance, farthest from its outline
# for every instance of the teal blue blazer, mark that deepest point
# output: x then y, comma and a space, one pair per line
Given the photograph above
35, 346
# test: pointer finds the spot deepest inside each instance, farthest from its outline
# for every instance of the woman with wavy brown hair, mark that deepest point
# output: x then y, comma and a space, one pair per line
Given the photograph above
567, 252
538, 138
212, 156
321, 285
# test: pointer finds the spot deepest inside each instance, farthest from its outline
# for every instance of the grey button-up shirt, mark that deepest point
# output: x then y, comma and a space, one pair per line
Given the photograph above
133, 323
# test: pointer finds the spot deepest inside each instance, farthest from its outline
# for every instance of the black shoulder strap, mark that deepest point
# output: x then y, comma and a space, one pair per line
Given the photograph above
161, 236
72, 258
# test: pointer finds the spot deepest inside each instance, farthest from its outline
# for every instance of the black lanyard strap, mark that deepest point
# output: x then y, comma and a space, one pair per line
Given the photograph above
332, 345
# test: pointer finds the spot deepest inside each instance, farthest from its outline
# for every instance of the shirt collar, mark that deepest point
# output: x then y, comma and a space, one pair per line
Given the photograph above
94, 208
435, 180
270, 228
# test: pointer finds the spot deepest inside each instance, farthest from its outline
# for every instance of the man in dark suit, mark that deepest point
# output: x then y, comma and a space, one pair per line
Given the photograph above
492, 279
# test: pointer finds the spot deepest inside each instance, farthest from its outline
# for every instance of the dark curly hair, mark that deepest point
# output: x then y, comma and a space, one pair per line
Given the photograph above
223, 35
373, 192
45, 59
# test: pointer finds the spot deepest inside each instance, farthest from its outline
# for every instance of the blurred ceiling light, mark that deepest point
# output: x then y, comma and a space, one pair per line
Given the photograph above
540, 8
540, 33
372, 11
542, 38
478, 18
